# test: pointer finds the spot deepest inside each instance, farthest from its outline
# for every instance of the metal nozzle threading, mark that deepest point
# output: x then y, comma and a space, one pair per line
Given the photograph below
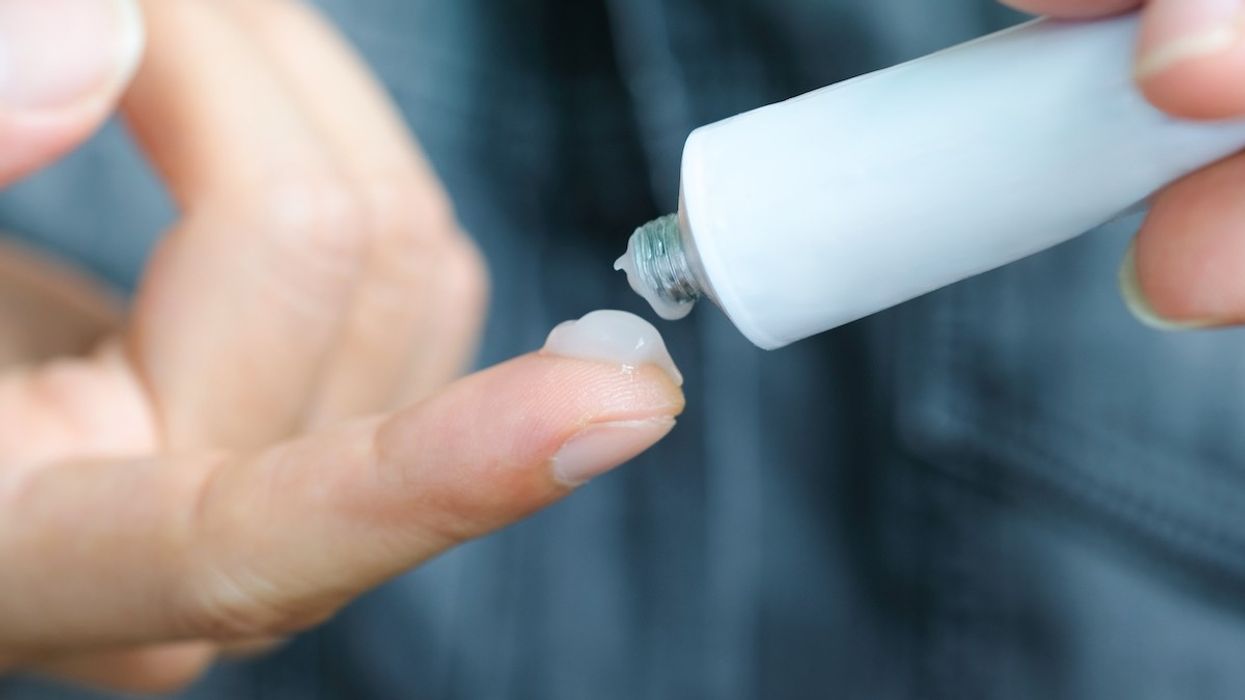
662, 262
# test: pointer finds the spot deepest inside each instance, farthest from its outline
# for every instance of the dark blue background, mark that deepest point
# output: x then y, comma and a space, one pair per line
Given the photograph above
1008, 489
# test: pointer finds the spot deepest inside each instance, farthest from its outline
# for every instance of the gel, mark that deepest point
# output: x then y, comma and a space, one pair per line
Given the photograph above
613, 336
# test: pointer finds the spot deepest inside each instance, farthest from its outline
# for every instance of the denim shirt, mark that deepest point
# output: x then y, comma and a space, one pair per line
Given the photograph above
1006, 489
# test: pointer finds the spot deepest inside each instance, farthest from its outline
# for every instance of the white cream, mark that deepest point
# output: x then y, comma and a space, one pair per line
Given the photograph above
616, 337
669, 310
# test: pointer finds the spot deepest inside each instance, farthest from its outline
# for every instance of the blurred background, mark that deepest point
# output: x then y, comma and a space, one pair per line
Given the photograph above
1007, 489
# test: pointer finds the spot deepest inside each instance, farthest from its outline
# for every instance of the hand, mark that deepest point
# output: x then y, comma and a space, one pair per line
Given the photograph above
199, 481
1185, 268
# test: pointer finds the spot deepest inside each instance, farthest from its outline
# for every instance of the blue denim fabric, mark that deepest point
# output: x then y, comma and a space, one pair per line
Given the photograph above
1007, 489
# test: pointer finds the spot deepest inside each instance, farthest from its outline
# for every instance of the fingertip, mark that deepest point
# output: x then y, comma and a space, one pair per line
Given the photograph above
612, 341
1190, 54
517, 415
1072, 9
1190, 85
1188, 251
69, 61
59, 54
501, 443
31, 141
1138, 303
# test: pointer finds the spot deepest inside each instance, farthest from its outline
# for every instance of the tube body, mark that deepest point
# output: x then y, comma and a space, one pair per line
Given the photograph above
814, 212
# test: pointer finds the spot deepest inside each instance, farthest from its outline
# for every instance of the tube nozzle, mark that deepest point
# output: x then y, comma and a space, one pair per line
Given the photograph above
658, 268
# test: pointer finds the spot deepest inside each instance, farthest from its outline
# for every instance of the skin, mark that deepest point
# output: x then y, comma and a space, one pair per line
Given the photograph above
313, 233
288, 368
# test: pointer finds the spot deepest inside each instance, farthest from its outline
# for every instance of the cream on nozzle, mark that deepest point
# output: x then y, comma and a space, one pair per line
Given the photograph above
654, 264
805, 215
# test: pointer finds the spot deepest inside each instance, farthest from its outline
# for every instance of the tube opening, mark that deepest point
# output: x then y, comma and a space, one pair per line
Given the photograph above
659, 270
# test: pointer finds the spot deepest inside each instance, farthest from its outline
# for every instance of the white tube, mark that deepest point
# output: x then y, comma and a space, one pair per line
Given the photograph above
805, 215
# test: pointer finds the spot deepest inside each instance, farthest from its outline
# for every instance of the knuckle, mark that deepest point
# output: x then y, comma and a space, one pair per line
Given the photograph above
310, 219
300, 239
409, 210
229, 607
416, 236
212, 595
222, 597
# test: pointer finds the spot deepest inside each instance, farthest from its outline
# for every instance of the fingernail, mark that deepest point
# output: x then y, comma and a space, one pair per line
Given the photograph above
613, 336
1135, 300
56, 54
1181, 30
601, 447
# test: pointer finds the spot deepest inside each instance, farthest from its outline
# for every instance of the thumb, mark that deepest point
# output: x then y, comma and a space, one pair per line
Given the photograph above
63, 65
239, 547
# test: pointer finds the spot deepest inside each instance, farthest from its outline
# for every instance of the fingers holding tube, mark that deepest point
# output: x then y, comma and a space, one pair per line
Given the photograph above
1183, 271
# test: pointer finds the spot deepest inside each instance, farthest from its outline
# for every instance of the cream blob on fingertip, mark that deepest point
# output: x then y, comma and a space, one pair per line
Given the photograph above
613, 336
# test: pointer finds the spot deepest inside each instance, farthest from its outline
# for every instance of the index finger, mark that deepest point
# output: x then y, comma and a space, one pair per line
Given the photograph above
238, 547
